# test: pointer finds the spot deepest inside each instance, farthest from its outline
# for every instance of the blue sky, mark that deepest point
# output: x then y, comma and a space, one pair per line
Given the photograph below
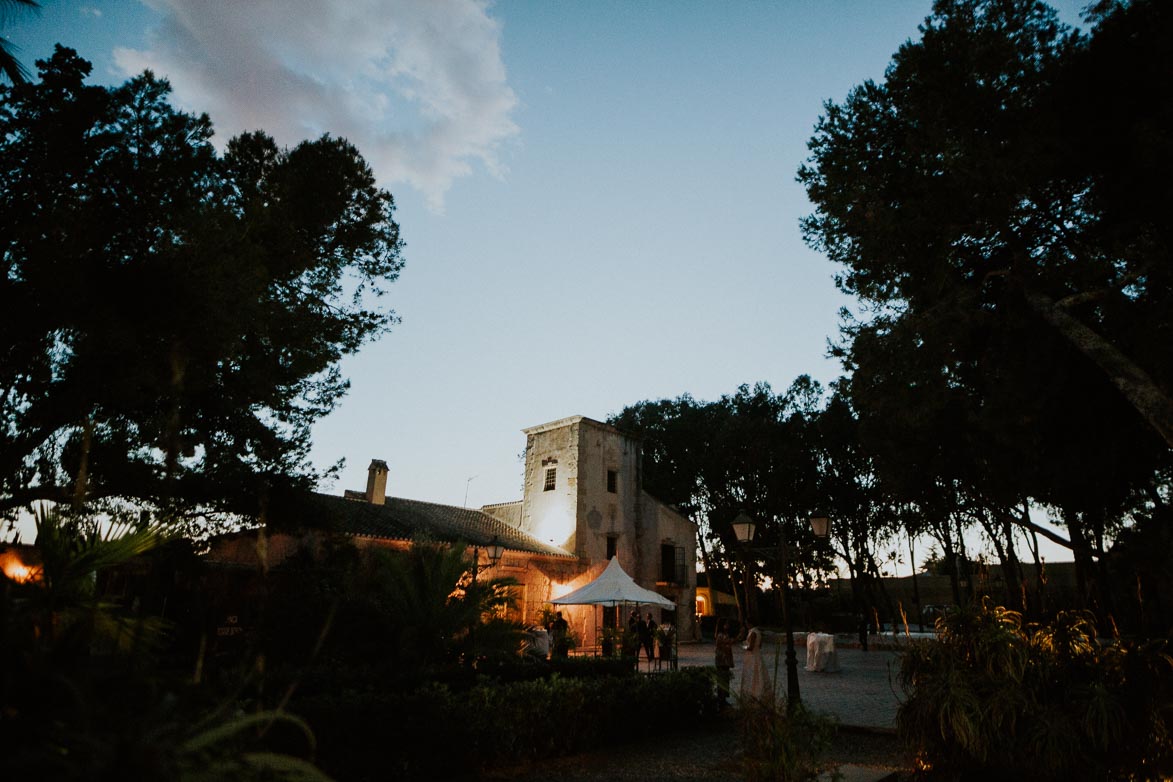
598, 198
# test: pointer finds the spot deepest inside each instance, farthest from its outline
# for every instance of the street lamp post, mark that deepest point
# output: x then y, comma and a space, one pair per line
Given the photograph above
743, 529
494, 551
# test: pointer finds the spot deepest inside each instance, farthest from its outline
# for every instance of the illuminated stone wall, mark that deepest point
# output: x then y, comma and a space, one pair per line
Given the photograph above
550, 515
584, 516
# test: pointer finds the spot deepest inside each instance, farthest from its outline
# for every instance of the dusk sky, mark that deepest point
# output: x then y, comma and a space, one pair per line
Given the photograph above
598, 198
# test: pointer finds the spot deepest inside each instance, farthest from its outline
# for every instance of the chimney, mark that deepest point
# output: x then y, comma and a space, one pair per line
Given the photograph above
377, 482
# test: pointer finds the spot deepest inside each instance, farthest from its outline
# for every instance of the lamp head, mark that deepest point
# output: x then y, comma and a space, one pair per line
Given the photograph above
743, 528
820, 524
495, 551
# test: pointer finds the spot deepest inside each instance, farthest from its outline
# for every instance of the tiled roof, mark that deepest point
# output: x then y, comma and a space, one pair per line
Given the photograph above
401, 519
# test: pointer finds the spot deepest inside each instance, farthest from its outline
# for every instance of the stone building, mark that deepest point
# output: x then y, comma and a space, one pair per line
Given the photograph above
583, 503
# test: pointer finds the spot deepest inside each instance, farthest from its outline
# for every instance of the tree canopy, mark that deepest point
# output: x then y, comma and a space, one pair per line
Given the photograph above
174, 316
752, 451
998, 205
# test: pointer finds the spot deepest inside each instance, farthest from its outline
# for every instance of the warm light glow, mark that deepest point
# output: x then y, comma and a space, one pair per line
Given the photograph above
555, 526
15, 568
558, 589
495, 551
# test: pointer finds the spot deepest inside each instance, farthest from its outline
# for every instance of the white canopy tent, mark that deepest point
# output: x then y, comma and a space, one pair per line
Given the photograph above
613, 587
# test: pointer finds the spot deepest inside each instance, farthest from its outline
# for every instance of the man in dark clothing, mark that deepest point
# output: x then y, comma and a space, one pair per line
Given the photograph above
647, 636
631, 639
560, 636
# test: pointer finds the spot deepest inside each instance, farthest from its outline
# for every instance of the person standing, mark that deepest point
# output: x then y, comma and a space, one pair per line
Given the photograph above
756, 682
631, 639
560, 636
723, 659
645, 628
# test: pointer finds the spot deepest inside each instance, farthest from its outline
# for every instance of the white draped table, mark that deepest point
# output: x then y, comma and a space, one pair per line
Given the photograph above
820, 653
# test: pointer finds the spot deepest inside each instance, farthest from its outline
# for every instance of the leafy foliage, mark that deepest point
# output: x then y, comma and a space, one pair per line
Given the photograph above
9, 65
496, 723
82, 693
991, 696
174, 318
750, 451
411, 612
779, 458
782, 745
1014, 292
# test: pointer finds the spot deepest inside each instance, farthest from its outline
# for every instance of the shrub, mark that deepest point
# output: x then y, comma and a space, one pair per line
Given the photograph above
992, 698
437, 732
781, 745
84, 693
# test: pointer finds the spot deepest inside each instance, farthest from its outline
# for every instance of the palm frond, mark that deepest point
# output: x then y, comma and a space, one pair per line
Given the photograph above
9, 65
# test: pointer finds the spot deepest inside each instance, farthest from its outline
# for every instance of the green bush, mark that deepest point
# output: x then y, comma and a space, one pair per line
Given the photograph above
438, 732
84, 689
781, 744
991, 698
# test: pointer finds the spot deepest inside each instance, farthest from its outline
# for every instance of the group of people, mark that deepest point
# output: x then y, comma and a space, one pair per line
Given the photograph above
641, 630
756, 681
644, 631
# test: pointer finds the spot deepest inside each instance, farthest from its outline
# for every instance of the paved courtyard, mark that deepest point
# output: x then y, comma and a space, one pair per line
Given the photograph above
864, 693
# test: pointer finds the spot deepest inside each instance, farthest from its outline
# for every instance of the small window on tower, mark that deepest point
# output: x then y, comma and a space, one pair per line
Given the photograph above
551, 473
612, 481
612, 546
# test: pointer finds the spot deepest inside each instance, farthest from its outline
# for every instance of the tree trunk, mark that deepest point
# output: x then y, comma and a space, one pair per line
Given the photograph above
1004, 549
174, 420
1083, 557
964, 576
920, 617
1040, 606
878, 580
1103, 591
1014, 575
1142, 392
81, 482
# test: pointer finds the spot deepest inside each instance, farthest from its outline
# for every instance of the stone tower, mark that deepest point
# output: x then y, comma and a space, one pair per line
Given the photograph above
582, 489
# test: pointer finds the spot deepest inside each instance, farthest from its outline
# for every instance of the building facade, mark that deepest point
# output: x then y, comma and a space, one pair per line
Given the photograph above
583, 503
583, 493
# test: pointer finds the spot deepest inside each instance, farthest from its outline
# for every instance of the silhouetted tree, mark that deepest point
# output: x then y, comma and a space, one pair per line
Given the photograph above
981, 201
750, 451
173, 318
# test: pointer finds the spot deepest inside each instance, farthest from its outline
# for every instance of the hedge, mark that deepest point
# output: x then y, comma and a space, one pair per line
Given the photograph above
437, 731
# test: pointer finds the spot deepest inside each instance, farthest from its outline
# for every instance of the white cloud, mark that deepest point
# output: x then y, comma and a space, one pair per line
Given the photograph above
417, 85
86, 10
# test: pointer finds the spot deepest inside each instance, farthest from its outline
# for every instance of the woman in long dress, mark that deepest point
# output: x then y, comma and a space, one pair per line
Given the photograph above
756, 681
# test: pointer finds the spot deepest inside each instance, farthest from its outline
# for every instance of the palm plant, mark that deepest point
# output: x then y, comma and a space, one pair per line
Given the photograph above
75, 549
9, 65
81, 690
435, 604
991, 697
